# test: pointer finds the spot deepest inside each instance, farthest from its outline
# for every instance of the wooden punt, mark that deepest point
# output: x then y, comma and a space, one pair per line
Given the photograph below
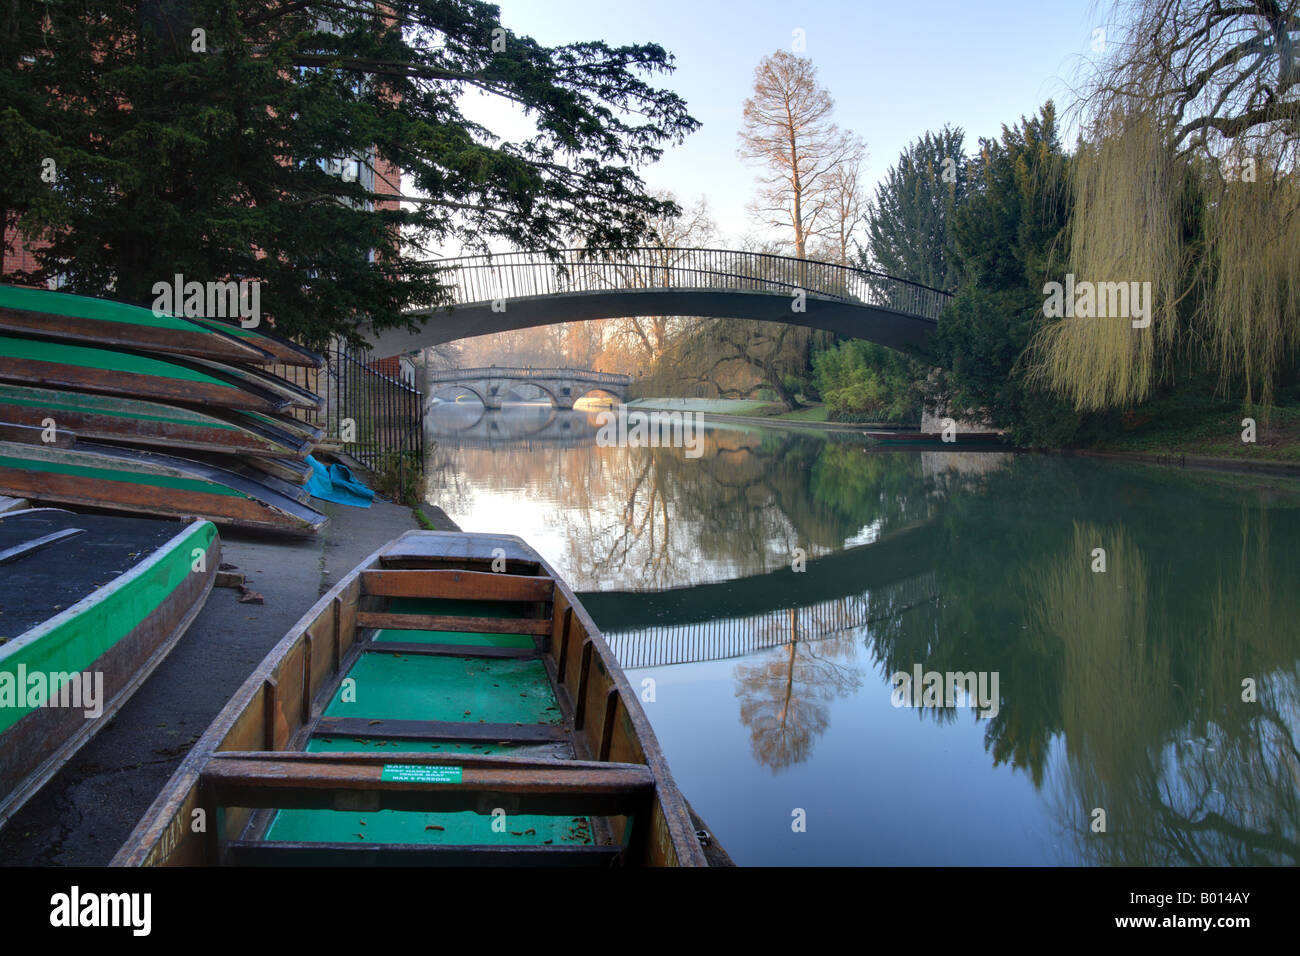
294, 426
85, 599
94, 321
141, 375
293, 471
136, 421
282, 350
294, 395
889, 436
298, 492
429, 710
289, 471
128, 479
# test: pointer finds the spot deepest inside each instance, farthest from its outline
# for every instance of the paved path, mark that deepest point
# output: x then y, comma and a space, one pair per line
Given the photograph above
85, 813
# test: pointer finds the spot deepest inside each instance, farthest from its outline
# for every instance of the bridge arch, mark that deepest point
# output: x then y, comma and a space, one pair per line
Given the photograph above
519, 290
544, 389
598, 390
437, 387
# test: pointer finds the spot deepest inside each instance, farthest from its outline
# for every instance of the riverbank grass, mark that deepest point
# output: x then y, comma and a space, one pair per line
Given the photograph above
810, 413
1210, 430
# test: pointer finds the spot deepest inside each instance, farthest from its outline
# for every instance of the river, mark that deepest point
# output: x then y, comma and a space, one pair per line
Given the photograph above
793, 607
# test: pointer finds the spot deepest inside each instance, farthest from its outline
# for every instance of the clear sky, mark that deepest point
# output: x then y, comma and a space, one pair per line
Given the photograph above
895, 68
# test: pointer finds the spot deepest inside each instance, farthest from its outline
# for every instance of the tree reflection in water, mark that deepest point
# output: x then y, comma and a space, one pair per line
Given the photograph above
785, 696
1120, 690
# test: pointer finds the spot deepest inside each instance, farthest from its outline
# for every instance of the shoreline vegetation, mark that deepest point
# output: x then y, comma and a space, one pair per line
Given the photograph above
1206, 437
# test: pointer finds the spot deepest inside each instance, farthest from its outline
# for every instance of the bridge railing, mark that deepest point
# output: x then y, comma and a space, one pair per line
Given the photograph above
522, 274
725, 638
455, 375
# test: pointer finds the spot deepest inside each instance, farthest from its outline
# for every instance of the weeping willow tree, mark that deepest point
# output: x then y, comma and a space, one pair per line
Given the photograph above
1186, 177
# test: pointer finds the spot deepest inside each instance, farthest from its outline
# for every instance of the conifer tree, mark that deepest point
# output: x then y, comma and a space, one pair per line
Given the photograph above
205, 137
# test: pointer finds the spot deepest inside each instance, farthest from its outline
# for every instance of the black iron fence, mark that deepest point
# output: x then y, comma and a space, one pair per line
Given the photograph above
368, 411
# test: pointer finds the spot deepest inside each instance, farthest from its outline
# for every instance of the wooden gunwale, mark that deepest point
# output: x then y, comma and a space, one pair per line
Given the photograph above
321, 649
103, 476
26, 755
181, 337
143, 422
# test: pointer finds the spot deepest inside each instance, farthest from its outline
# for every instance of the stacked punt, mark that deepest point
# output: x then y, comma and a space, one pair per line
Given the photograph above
107, 405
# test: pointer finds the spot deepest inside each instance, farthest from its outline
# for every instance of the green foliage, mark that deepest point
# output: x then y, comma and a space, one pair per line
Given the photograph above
1008, 237
863, 382
398, 478
910, 236
735, 358
910, 231
212, 163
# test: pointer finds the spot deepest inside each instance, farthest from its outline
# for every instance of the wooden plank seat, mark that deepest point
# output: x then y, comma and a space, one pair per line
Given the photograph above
450, 622
381, 729
446, 650
358, 783
457, 584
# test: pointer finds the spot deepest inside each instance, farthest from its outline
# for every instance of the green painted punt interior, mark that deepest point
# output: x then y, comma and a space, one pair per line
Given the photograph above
79, 636
464, 689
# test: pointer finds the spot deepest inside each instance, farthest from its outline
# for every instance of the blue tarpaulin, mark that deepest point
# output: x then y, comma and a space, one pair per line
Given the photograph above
337, 483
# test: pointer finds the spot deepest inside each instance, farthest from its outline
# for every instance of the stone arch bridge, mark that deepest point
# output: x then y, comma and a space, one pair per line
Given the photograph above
564, 385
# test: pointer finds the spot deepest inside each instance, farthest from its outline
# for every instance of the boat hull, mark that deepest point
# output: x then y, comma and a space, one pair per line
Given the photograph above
111, 324
139, 375
112, 418
103, 322
282, 350
103, 476
286, 764
122, 631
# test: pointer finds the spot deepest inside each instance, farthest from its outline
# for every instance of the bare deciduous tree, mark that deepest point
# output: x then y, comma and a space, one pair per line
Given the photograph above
846, 206
787, 128
645, 338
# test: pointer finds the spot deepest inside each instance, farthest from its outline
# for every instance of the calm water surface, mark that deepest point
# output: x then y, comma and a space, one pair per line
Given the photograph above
1119, 693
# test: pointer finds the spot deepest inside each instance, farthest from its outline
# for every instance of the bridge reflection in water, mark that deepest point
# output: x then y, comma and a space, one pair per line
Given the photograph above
728, 637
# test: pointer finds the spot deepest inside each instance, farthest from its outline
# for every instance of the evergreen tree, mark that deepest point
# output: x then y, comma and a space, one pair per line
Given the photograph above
1008, 241
200, 137
910, 220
